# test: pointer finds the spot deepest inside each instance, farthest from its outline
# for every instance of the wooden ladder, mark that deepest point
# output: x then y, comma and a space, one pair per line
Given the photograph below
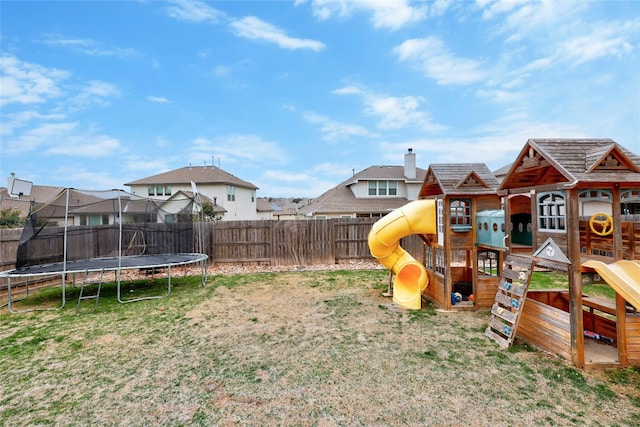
510, 299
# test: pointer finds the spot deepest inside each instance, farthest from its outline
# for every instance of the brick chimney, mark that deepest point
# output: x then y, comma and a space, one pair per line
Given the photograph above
410, 164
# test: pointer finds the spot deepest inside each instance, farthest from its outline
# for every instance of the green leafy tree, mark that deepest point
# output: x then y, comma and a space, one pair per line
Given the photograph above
208, 212
10, 218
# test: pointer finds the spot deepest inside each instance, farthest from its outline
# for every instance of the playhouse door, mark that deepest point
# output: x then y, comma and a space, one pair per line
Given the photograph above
521, 233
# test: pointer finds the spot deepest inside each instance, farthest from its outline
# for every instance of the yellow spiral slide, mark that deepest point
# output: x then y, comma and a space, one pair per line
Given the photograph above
416, 217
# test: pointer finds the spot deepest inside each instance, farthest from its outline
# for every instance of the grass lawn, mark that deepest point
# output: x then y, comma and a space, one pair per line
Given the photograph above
294, 348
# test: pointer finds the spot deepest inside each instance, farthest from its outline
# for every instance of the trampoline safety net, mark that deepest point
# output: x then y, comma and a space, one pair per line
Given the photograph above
80, 224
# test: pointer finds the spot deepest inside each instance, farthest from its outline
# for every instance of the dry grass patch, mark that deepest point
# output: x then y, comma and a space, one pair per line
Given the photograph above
298, 348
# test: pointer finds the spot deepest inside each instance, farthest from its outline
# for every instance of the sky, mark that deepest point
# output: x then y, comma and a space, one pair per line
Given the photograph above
296, 96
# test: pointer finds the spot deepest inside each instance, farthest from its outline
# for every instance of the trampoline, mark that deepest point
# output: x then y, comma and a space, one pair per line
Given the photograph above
94, 234
102, 266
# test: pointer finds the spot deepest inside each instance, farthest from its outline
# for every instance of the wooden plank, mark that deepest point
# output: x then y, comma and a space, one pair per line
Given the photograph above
512, 288
505, 329
502, 341
508, 301
503, 313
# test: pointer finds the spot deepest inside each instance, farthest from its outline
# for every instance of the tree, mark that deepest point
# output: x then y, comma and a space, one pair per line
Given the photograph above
208, 212
10, 218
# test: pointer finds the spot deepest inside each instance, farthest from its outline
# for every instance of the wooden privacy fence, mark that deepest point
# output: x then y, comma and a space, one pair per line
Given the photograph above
264, 242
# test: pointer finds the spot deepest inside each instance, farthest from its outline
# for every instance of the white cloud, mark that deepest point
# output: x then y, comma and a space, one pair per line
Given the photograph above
248, 149
92, 94
613, 39
333, 131
253, 28
26, 83
431, 56
158, 99
89, 47
194, 11
393, 112
39, 136
391, 15
85, 146
283, 183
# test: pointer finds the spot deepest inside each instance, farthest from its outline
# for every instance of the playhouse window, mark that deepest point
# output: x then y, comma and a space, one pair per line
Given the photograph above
488, 263
630, 201
428, 257
551, 211
439, 260
460, 210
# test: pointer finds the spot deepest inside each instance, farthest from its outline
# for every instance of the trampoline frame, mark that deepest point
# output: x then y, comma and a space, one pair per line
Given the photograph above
101, 265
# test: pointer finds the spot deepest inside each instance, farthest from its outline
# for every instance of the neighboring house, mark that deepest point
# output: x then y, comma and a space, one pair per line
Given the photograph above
233, 195
105, 212
373, 192
264, 209
47, 201
463, 256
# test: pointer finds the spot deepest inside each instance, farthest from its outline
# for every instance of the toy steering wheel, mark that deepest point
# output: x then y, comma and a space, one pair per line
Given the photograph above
601, 224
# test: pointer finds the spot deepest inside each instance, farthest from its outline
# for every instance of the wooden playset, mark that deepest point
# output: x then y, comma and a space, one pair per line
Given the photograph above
567, 205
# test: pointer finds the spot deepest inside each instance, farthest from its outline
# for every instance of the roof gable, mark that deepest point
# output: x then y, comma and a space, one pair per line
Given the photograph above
458, 179
569, 161
472, 180
612, 159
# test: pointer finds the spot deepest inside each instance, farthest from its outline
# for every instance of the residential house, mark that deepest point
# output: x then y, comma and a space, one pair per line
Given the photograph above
372, 192
47, 201
234, 197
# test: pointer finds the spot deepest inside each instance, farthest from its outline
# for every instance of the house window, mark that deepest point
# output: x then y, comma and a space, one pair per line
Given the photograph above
393, 188
152, 190
439, 260
159, 190
253, 196
167, 190
231, 193
551, 211
383, 188
488, 263
460, 210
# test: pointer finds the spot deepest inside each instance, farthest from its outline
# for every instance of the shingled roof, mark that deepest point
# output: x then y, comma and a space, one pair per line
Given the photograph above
459, 179
571, 161
198, 174
341, 199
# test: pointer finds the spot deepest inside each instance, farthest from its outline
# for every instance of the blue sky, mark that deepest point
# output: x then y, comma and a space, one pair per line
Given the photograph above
294, 96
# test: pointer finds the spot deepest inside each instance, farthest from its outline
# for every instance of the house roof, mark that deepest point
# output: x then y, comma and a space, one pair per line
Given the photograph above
263, 205
49, 200
111, 206
386, 173
341, 199
572, 161
459, 179
198, 174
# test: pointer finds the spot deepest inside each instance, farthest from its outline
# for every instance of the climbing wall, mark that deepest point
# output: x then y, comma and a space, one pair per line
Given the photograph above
510, 298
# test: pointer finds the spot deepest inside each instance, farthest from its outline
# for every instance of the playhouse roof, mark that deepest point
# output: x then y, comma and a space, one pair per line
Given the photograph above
458, 179
567, 162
